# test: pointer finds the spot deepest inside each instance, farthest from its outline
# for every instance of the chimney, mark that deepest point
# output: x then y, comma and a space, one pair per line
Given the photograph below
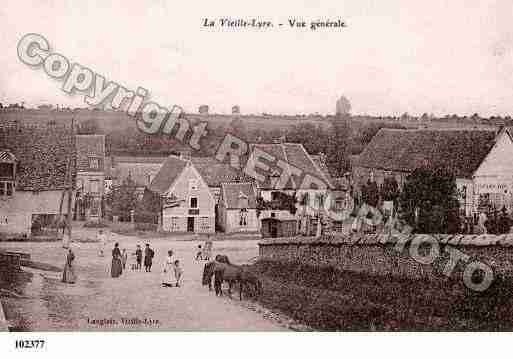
236, 110
203, 110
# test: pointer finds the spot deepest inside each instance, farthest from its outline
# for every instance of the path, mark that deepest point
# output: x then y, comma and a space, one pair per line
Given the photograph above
99, 302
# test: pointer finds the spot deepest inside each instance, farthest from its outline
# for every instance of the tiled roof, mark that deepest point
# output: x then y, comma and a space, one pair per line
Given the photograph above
42, 156
405, 150
140, 173
137, 159
232, 192
90, 146
212, 171
140, 169
321, 164
295, 155
170, 170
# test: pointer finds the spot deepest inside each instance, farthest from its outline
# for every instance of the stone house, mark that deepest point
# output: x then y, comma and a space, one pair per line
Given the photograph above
90, 176
34, 164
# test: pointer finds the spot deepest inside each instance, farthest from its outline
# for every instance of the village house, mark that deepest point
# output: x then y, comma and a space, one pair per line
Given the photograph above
295, 206
34, 164
90, 176
482, 161
212, 173
188, 203
238, 208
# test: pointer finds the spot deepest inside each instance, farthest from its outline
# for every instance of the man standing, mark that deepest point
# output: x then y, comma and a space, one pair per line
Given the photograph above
148, 258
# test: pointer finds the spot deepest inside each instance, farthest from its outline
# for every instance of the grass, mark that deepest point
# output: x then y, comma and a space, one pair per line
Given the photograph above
328, 299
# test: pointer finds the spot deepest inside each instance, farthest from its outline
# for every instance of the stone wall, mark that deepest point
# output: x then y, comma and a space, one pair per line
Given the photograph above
389, 255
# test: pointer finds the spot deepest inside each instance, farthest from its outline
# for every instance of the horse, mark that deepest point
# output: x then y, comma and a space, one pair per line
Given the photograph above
249, 278
227, 273
230, 273
208, 269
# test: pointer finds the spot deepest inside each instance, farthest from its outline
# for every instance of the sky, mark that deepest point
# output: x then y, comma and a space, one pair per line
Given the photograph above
395, 56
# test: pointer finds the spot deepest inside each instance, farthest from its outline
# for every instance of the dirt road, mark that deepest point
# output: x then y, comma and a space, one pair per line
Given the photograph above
135, 301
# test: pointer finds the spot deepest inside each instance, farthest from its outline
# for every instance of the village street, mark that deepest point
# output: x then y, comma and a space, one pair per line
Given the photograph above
98, 302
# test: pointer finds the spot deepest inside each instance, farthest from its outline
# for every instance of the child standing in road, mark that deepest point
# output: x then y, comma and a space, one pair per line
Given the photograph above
178, 273
138, 257
124, 258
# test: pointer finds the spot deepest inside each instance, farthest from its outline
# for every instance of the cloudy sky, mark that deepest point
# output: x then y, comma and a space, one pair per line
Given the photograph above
395, 56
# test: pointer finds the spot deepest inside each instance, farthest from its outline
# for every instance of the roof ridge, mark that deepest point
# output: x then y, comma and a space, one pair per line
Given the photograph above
282, 145
234, 183
317, 167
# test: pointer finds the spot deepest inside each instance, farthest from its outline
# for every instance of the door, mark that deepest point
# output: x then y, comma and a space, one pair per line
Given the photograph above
190, 224
273, 228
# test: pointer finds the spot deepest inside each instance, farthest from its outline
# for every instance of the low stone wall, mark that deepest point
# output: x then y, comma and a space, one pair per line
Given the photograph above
389, 255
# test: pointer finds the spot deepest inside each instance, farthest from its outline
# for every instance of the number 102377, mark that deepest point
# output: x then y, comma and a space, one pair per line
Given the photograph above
30, 344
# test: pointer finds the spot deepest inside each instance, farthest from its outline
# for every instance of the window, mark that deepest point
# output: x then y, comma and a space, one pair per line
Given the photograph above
275, 195
193, 184
94, 163
194, 202
7, 170
7, 173
95, 186
175, 224
243, 220
204, 224
6, 188
340, 204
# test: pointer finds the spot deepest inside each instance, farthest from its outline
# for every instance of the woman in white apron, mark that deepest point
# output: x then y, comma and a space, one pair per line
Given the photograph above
168, 275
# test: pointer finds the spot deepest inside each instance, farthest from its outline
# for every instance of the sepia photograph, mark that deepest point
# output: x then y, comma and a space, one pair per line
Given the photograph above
336, 166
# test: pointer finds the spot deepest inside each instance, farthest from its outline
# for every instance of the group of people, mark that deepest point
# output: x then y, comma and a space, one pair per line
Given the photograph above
120, 259
172, 270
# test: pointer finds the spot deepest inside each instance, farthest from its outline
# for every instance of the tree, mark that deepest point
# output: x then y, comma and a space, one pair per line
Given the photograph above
123, 199
88, 127
147, 210
429, 201
338, 146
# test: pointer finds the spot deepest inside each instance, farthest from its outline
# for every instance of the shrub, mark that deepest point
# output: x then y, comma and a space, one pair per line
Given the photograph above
146, 227
95, 224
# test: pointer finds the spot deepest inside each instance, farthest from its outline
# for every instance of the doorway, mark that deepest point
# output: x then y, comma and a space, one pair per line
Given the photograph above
190, 224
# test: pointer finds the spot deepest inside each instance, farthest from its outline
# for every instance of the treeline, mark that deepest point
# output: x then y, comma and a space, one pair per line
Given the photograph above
337, 139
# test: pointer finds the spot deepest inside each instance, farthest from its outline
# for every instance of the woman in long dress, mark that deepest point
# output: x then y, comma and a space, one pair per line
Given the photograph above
168, 277
117, 267
68, 274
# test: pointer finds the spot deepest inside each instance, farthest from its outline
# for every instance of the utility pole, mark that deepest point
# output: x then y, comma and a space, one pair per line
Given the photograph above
70, 178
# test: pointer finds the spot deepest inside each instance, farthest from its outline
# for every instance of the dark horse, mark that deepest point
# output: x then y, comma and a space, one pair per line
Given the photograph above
209, 269
223, 271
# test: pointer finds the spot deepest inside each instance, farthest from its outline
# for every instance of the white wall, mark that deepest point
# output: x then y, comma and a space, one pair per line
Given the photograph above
18, 210
205, 220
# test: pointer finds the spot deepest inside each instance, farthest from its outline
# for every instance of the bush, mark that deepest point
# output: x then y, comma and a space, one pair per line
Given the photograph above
95, 224
146, 227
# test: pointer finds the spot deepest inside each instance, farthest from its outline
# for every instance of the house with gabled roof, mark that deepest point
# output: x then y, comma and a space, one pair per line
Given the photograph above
34, 167
188, 204
90, 175
238, 208
308, 183
481, 160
